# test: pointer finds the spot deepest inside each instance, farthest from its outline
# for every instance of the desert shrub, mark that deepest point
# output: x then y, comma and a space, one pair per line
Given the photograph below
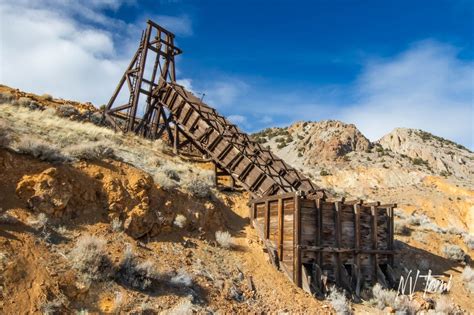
401, 228
454, 252
7, 218
182, 278
24, 101
5, 98
468, 278
116, 225
198, 188
399, 213
67, 110
444, 306
455, 231
185, 307
170, 172
52, 307
433, 227
389, 298
89, 256
339, 302
180, 221
417, 220
39, 222
90, 151
118, 302
41, 150
28, 103
469, 241
164, 181
96, 118
224, 239
4, 135
383, 298
136, 274
419, 237
47, 97
324, 173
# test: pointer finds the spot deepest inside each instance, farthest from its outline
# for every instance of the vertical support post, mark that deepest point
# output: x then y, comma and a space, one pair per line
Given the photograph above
138, 83
267, 220
373, 211
357, 233
176, 138
216, 180
280, 228
319, 205
297, 242
390, 234
337, 224
253, 212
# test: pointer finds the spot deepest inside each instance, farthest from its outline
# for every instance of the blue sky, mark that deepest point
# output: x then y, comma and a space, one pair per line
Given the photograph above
378, 64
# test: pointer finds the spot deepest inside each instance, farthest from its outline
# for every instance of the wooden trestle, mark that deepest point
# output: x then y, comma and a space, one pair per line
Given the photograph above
309, 237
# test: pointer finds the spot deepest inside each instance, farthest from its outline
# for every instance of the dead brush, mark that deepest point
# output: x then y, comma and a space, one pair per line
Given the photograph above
89, 257
136, 274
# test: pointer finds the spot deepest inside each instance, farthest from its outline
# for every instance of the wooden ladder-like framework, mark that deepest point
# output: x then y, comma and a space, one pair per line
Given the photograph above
156, 107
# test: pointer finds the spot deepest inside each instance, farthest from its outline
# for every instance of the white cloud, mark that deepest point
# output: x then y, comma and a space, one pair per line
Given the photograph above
237, 119
426, 87
45, 49
224, 92
179, 25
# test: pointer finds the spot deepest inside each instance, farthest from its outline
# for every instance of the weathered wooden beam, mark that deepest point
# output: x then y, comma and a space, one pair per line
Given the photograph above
374, 214
267, 219
281, 220
297, 241
337, 225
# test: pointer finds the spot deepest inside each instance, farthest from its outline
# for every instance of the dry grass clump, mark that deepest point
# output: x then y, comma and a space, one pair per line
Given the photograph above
67, 110
89, 256
90, 151
469, 241
46, 97
443, 305
224, 239
339, 302
383, 298
136, 274
454, 252
182, 278
6, 98
180, 221
4, 134
41, 150
468, 278
116, 225
198, 188
401, 227
39, 222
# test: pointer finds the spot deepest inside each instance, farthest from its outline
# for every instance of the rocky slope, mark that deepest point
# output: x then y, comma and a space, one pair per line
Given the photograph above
430, 178
96, 221
444, 157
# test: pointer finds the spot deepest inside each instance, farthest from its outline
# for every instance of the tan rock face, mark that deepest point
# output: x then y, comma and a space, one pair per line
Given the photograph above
442, 155
47, 192
93, 191
329, 140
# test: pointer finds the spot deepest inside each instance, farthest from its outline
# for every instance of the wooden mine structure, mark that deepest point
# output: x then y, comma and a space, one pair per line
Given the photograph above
308, 236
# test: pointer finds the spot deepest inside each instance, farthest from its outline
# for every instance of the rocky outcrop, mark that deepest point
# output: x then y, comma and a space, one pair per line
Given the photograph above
442, 156
65, 191
328, 140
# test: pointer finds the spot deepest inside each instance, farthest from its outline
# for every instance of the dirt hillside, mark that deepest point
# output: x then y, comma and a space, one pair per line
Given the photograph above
102, 222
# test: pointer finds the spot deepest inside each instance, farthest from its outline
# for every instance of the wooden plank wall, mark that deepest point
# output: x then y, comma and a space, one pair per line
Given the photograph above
341, 237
